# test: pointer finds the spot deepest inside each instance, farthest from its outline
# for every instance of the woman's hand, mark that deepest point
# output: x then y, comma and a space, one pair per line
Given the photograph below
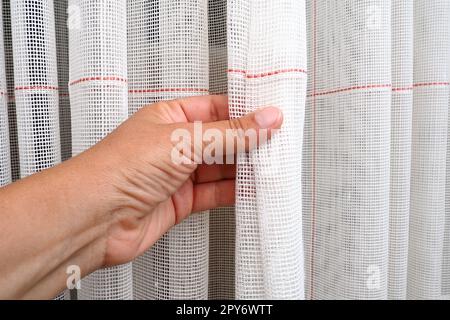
109, 204
152, 191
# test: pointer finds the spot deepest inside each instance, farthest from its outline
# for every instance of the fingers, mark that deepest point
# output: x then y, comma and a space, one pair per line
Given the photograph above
190, 109
215, 172
245, 133
204, 108
219, 142
213, 195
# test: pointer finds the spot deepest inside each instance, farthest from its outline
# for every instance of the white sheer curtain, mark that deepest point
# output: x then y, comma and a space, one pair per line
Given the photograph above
351, 200
374, 161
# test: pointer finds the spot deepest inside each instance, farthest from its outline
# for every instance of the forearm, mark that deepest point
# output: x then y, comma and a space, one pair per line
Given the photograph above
49, 221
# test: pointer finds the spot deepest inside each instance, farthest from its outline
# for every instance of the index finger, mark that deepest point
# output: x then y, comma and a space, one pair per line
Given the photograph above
205, 108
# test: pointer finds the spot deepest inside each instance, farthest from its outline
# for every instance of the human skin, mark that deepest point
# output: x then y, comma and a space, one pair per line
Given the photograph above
111, 203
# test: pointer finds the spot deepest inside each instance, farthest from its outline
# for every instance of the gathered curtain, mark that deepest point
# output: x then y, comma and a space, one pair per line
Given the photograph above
350, 200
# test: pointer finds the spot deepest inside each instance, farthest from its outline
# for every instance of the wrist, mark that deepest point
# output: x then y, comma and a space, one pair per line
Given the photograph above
88, 200
52, 232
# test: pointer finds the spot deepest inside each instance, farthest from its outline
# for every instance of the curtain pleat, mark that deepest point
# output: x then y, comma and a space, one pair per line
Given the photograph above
98, 88
248, 261
9, 73
222, 236
446, 249
36, 85
429, 143
5, 160
347, 149
350, 200
402, 39
62, 56
267, 38
176, 44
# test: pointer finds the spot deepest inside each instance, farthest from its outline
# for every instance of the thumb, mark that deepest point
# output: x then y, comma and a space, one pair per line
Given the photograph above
245, 133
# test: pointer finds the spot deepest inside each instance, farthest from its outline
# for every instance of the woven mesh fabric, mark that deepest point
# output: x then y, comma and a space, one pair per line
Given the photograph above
170, 38
363, 97
347, 149
429, 141
217, 39
36, 85
5, 160
99, 103
446, 253
9, 72
446, 249
221, 221
62, 55
350, 200
401, 124
221, 284
267, 63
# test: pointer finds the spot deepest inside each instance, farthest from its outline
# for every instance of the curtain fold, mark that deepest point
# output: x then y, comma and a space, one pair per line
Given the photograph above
429, 142
267, 67
222, 225
349, 200
175, 42
5, 159
347, 149
98, 89
35, 85
402, 39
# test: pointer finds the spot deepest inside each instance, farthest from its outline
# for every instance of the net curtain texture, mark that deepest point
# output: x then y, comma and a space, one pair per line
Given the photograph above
350, 200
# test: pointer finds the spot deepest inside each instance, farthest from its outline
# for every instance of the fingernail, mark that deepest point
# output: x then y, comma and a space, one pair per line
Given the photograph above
267, 117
